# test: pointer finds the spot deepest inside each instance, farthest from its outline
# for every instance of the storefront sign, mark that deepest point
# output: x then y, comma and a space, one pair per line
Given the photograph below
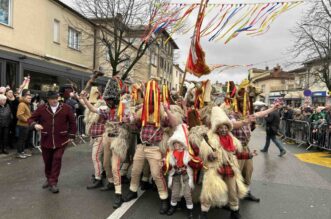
319, 94
275, 94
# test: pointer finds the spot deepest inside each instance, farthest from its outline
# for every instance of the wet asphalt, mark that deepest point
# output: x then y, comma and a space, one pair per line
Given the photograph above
288, 188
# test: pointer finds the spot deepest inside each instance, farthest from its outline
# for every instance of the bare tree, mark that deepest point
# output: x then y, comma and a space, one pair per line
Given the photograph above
313, 40
120, 27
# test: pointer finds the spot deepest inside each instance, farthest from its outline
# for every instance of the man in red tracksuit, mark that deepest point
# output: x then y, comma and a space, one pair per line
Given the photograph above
57, 125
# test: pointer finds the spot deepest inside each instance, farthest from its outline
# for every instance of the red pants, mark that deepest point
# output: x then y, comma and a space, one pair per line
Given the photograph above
52, 159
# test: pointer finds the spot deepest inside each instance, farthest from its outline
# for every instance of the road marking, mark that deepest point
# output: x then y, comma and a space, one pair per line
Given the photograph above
320, 158
119, 212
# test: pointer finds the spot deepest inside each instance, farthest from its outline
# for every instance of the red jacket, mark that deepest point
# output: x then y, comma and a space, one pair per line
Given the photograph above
58, 126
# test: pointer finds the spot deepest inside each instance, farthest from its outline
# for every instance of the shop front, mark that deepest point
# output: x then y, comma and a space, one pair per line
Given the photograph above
294, 99
45, 76
274, 95
319, 98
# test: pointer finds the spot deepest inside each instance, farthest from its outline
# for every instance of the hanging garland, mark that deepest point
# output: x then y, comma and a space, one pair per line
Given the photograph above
224, 21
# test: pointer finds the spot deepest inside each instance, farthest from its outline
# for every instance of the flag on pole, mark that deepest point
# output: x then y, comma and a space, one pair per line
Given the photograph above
196, 63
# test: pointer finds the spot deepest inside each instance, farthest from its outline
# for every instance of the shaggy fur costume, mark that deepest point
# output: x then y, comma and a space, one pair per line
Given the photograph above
214, 189
119, 144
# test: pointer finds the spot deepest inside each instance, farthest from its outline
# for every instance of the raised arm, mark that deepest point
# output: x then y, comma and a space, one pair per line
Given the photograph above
266, 112
172, 119
87, 103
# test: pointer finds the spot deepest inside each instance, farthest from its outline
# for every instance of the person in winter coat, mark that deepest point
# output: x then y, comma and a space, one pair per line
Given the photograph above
23, 114
13, 103
57, 125
5, 121
272, 123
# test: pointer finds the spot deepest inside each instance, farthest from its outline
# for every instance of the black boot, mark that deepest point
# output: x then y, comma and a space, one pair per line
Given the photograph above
130, 196
172, 210
95, 184
190, 213
203, 215
118, 201
145, 185
251, 197
125, 180
109, 186
164, 206
235, 215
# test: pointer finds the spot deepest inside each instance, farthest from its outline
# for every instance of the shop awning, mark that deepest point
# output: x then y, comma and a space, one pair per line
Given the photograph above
294, 95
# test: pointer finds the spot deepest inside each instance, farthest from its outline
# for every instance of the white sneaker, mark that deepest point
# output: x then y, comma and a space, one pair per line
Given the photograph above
26, 154
21, 156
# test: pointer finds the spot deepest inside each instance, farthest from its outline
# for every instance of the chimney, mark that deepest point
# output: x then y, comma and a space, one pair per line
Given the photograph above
277, 70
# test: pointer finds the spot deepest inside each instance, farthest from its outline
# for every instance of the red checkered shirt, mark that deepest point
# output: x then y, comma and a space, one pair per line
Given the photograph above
243, 155
97, 129
226, 171
150, 134
244, 133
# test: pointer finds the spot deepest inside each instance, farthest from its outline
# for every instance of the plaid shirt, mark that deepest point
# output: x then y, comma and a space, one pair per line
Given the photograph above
244, 133
243, 155
150, 134
226, 171
97, 129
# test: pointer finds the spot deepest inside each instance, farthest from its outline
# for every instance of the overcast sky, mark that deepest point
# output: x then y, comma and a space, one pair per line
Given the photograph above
266, 50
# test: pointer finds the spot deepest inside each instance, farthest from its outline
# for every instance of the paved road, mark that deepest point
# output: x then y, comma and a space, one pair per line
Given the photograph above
288, 188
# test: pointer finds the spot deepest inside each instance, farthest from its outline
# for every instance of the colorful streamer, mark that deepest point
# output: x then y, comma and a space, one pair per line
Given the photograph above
223, 21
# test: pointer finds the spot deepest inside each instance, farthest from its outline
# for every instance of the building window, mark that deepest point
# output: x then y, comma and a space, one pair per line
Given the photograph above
56, 31
154, 59
5, 12
11, 74
73, 38
161, 62
107, 55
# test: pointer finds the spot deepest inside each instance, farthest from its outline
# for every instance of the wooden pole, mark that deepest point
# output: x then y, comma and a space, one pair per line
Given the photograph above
201, 5
182, 84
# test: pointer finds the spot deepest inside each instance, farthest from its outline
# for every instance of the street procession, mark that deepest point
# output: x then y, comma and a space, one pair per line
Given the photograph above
141, 109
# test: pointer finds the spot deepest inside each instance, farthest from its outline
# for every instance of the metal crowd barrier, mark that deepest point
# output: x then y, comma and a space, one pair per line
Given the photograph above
305, 133
36, 140
81, 128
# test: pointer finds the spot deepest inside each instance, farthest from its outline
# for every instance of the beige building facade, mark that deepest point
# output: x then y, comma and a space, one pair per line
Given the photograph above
39, 39
273, 83
56, 45
291, 85
177, 77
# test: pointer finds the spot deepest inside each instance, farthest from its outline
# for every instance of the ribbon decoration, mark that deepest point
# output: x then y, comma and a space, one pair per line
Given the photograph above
227, 20
196, 60
152, 99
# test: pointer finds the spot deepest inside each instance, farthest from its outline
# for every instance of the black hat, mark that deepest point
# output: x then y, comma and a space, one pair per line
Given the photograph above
52, 95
